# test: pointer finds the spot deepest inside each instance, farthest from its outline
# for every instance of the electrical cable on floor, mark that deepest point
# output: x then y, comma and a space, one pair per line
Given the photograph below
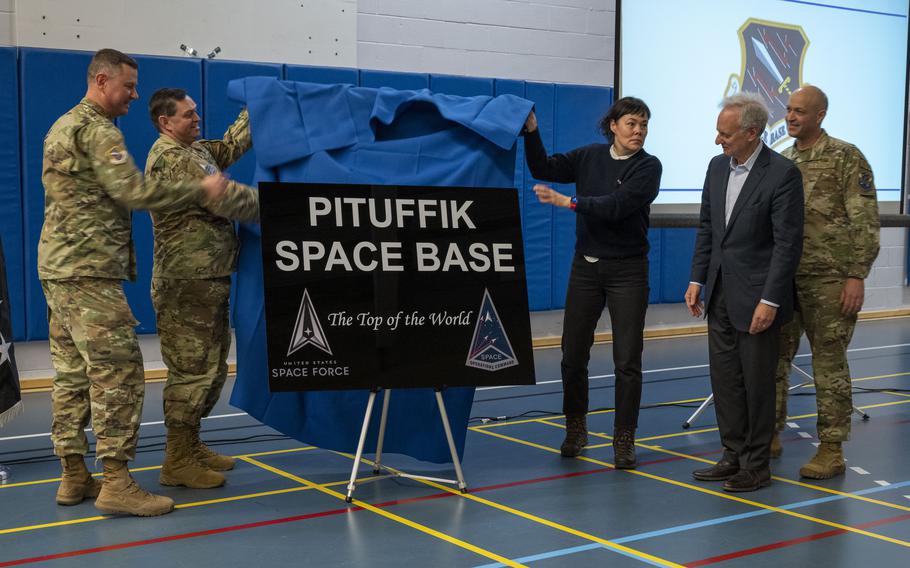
543, 413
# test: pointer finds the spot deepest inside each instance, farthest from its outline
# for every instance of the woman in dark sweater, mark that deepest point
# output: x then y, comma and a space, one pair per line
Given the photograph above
615, 185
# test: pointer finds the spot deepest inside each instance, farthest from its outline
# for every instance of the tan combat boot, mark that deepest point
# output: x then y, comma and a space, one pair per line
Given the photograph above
776, 447
77, 484
827, 463
120, 494
181, 467
208, 457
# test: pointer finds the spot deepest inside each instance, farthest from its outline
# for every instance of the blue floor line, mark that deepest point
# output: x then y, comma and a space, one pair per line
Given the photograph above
690, 526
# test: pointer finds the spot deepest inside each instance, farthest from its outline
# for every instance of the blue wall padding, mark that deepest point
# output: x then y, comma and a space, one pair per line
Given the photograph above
578, 110
655, 239
327, 75
462, 86
677, 247
401, 81
220, 112
517, 88
51, 82
154, 73
11, 191
537, 218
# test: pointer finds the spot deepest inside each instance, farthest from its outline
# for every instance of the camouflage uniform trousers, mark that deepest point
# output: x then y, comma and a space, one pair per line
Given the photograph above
195, 339
99, 367
829, 333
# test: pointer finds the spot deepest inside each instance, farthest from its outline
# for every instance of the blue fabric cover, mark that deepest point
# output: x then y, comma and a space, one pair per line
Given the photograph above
306, 132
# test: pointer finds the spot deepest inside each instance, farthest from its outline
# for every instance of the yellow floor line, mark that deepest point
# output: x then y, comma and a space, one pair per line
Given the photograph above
675, 402
242, 497
774, 477
180, 506
727, 496
391, 516
539, 520
896, 393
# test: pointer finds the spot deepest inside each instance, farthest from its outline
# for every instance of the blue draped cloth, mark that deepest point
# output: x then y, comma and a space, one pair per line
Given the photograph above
306, 132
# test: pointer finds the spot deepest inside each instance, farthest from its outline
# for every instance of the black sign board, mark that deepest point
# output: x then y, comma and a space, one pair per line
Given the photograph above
394, 287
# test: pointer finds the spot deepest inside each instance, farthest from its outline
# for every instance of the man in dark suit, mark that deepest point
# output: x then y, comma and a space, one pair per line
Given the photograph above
747, 250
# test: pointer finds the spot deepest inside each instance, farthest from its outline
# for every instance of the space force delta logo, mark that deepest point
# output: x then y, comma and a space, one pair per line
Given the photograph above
308, 330
772, 66
490, 347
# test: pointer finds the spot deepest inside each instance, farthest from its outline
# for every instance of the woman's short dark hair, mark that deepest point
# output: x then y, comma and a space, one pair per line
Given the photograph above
622, 107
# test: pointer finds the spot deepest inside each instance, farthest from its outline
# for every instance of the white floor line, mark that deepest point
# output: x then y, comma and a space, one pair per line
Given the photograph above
859, 470
686, 368
47, 434
805, 434
793, 425
883, 483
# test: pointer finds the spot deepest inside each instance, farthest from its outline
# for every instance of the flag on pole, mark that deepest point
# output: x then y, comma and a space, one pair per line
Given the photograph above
10, 395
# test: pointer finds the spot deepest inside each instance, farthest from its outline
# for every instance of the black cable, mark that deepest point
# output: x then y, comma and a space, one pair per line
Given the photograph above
488, 419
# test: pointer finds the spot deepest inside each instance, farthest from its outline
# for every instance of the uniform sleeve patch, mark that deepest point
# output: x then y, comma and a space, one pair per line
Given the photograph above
118, 155
865, 180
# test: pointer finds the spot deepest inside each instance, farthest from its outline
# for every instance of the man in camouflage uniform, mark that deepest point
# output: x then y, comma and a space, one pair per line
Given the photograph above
841, 241
84, 253
195, 254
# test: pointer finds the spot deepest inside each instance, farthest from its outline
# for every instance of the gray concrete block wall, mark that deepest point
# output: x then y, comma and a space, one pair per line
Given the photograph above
885, 287
567, 41
7, 22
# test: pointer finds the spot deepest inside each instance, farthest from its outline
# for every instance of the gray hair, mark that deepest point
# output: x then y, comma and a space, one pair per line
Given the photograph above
752, 105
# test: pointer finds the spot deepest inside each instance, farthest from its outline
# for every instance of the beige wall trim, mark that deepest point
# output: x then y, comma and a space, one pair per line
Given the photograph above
700, 329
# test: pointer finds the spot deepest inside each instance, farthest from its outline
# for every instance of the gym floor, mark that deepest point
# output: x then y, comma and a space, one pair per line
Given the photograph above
526, 506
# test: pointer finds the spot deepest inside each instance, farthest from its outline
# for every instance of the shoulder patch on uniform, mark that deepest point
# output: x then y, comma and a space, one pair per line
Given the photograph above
865, 180
118, 155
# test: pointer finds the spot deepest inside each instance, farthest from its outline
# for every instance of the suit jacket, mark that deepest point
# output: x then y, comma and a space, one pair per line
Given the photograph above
758, 251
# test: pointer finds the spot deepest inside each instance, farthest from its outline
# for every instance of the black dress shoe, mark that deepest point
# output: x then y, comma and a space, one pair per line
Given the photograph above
718, 472
748, 480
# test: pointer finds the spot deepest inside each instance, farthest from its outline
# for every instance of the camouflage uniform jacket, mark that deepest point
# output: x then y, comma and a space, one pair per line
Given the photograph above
91, 184
841, 234
193, 242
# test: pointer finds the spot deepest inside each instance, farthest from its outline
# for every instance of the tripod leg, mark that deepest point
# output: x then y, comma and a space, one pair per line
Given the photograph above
382, 423
360, 443
698, 411
448, 429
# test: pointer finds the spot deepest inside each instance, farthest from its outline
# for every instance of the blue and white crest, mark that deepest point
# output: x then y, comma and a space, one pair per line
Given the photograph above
490, 348
308, 330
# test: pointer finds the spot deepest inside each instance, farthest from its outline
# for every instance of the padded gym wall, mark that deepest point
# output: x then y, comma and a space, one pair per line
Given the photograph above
11, 191
51, 82
154, 73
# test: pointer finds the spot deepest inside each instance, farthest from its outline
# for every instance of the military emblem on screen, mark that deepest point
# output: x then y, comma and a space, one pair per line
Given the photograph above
307, 329
490, 346
772, 66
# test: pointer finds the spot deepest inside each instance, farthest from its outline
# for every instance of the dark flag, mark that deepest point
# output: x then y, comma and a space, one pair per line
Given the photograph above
10, 396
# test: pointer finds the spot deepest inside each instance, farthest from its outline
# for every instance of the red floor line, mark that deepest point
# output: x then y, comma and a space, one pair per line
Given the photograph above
791, 542
296, 518
181, 536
